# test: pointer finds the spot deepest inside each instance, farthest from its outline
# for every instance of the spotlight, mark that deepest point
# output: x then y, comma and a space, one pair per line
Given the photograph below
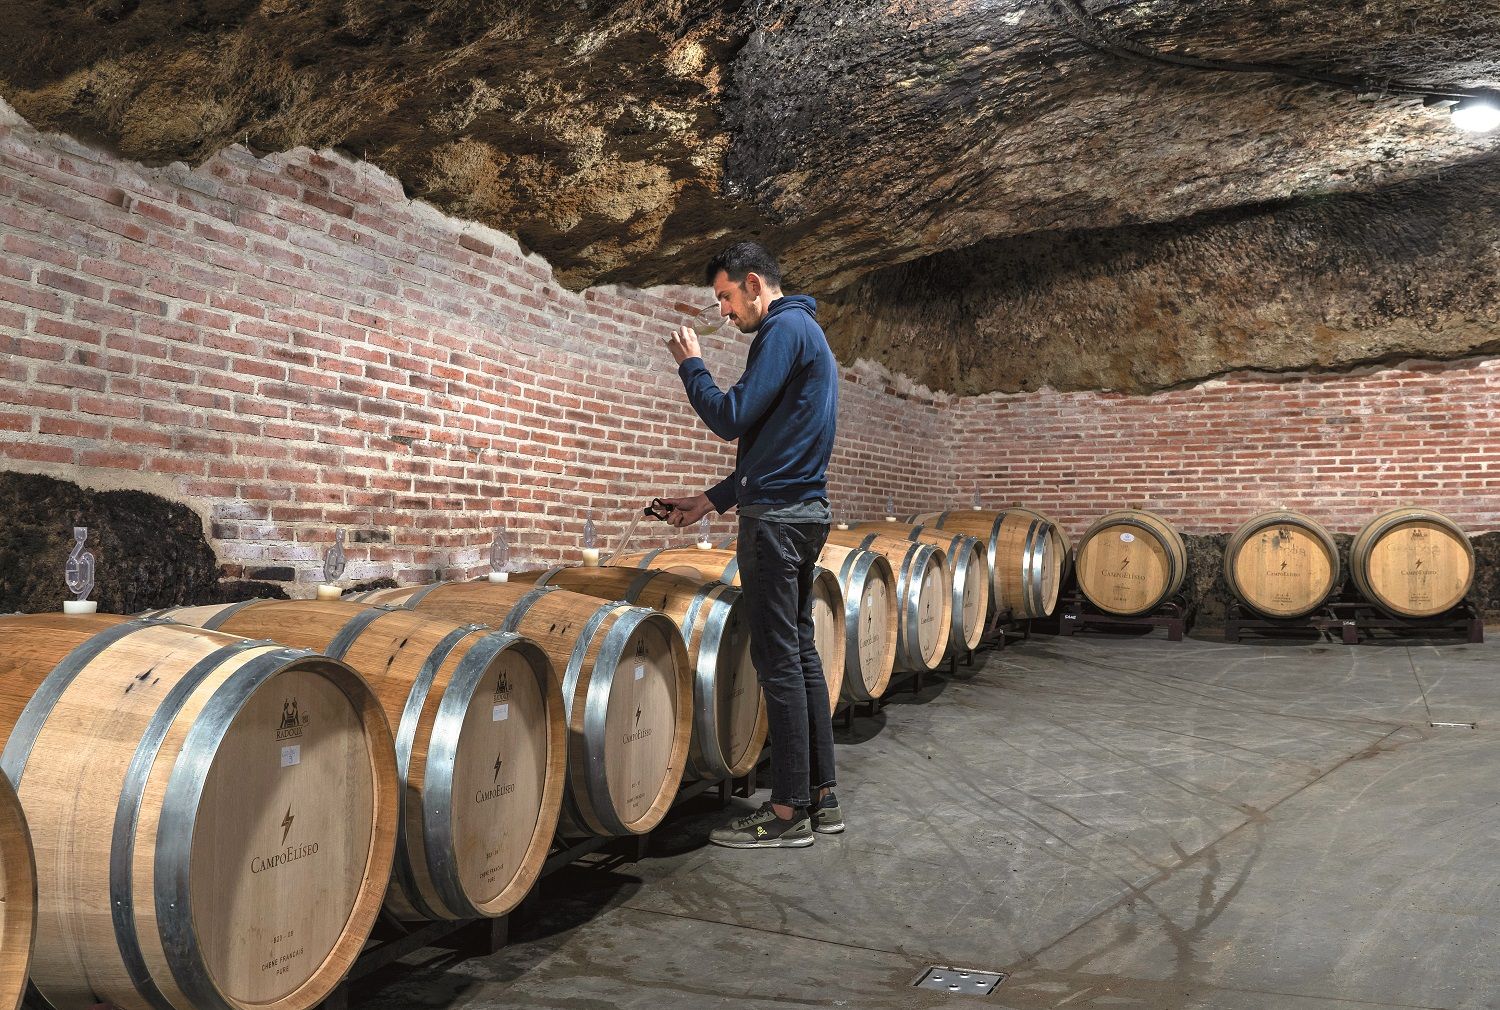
1477, 115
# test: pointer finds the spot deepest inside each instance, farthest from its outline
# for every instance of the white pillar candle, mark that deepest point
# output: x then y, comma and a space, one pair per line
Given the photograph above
327, 592
499, 576
591, 557
843, 526
80, 606
890, 519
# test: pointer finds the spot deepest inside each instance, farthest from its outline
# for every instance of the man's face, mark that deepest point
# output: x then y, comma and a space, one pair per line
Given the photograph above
743, 304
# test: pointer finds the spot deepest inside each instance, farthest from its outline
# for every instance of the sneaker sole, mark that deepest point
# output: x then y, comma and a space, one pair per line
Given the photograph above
832, 829
779, 843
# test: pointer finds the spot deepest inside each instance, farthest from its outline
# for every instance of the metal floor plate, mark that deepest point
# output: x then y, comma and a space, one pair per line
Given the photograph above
960, 981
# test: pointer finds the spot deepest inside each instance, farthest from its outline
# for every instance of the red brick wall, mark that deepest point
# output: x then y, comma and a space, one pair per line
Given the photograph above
1339, 448
290, 345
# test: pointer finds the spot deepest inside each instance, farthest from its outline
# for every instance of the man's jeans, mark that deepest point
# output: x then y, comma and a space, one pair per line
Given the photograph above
776, 571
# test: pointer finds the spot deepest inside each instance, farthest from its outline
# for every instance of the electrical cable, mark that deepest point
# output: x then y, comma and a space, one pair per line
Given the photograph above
1105, 39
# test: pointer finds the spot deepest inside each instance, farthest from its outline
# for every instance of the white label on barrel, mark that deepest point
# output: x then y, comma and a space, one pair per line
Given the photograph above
1128, 538
640, 671
291, 755
500, 712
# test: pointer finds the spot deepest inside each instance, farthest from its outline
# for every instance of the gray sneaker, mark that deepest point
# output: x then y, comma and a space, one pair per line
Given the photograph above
827, 818
764, 830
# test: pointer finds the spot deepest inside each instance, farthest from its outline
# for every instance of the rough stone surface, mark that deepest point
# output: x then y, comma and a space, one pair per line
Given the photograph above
1409, 271
994, 202
148, 552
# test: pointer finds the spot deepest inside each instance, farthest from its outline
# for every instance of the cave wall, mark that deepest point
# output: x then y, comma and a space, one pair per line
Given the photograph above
289, 344
1411, 269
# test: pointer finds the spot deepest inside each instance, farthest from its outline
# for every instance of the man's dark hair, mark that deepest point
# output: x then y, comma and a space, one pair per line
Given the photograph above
742, 259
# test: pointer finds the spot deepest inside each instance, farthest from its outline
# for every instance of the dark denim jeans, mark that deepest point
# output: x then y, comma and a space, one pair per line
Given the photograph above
776, 571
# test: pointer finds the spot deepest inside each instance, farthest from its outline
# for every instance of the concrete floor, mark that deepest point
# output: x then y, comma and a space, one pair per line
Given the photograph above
1120, 822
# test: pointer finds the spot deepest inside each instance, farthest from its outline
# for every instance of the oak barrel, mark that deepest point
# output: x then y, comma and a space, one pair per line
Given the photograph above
213, 817
1412, 562
626, 684
922, 587
1282, 564
968, 576
729, 711
17, 898
481, 742
1130, 561
711, 564
1026, 552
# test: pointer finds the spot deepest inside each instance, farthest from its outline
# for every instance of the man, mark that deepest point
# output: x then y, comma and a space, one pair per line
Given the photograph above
783, 411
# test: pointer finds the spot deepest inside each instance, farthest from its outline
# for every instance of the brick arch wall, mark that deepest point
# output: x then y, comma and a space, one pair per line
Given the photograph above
291, 345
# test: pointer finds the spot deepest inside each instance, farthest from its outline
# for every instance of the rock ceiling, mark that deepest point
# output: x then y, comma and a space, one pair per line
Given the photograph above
987, 195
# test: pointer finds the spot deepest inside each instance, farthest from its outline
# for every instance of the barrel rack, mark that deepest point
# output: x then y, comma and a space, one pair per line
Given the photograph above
1001, 625
1175, 615
1354, 620
392, 940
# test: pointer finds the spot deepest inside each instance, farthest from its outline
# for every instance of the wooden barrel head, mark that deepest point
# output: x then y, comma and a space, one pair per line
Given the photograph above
973, 595
1413, 562
741, 706
877, 634
500, 777
641, 719
932, 607
1129, 562
273, 844
1281, 565
829, 636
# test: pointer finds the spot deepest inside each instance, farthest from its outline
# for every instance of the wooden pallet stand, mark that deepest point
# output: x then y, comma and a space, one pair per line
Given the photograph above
1240, 619
1463, 621
1176, 615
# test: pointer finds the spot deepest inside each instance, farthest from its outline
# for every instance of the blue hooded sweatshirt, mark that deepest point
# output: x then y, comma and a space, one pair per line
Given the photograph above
783, 410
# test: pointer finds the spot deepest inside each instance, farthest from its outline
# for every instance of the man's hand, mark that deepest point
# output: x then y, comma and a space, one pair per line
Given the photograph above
686, 511
684, 345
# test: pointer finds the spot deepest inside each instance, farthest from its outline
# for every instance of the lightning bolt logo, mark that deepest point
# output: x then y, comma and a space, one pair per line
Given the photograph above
498, 764
1124, 564
286, 824
1283, 566
1419, 562
637, 715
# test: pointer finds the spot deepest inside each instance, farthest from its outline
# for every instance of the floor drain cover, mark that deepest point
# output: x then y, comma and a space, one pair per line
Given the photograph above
960, 981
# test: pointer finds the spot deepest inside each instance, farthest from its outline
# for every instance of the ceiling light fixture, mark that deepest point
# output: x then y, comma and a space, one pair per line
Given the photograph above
1476, 115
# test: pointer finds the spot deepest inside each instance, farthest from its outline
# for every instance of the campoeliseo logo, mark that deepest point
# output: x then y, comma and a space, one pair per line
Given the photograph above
289, 853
